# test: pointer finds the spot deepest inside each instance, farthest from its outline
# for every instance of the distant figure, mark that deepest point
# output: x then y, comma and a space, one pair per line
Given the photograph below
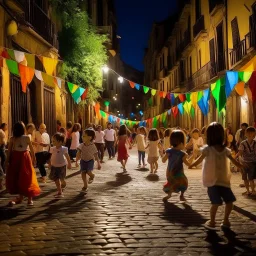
110, 139
240, 134
3, 142
58, 125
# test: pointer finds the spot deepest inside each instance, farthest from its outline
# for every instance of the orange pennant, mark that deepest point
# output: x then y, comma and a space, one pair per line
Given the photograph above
160, 94
240, 88
26, 76
132, 84
164, 94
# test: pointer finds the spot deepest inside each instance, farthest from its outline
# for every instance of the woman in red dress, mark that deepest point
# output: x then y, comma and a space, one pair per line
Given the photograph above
20, 175
122, 140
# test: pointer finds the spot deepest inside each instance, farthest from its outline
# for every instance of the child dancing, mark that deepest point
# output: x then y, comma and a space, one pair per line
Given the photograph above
21, 176
59, 159
86, 153
176, 178
216, 173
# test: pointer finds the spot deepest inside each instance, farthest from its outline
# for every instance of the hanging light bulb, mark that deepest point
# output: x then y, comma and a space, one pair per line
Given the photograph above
105, 69
120, 79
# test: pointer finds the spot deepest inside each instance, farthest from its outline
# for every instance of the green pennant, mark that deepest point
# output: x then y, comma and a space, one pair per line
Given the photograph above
145, 89
155, 122
188, 97
176, 95
219, 94
11, 53
192, 112
200, 95
70, 86
13, 67
244, 76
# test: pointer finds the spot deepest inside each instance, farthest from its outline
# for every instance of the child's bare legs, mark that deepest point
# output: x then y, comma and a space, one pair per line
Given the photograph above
156, 167
84, 178
58, 185
63, 184
91, 175
165, 199
30, 201
125, 162
182, 198
246, 184
151, 167
213, 212
228, 210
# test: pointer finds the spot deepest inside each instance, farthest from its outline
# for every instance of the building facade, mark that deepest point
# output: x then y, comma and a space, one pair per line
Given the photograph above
207, 38
36, 34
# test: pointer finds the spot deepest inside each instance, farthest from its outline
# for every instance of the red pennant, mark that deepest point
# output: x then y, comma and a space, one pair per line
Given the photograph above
164, 94
168, 96
161, 94
175, 111
132, 84
84, 95
182, 97
5, 54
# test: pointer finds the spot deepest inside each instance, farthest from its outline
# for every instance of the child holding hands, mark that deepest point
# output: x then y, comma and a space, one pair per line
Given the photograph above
176, 178
87, 153
216, 173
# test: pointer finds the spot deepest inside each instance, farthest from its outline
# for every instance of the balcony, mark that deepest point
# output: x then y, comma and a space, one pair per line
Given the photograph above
186, 41
162, 73
35, 18
199, 26
215, 5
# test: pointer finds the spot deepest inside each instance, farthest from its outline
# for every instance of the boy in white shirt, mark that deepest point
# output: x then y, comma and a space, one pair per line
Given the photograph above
59, 159
197, 142
141, 145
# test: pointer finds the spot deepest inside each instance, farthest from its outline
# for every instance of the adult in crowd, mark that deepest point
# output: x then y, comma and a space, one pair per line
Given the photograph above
68, 134
99, 142
3, 142
110, 139
58, 125
42, 146
240, 134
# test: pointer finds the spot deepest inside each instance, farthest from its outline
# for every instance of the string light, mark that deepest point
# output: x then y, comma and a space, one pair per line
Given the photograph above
105, 69
120, 79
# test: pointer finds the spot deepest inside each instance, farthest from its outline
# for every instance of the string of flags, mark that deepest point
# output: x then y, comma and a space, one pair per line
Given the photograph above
23, 64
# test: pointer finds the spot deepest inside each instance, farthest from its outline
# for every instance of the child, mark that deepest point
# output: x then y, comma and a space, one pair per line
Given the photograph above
75, 135
122, 140
176, 179
21, 176
196, 141
59, 155
64, 132
153, 149
30, 128
87, 152
141, 145
167, 135
216, 173
247, 150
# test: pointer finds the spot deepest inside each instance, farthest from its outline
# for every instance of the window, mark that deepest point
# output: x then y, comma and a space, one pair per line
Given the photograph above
199, 59
198, 9
235, 32
190, 66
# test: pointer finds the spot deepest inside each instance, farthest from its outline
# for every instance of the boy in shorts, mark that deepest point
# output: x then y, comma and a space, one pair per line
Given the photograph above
87, 153
247, 150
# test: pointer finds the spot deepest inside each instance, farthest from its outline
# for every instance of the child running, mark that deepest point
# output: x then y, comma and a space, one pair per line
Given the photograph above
59, 156
167, 135
153, 149
86, 153
122, 140
176, 178
141, 145
21, 176
216, 173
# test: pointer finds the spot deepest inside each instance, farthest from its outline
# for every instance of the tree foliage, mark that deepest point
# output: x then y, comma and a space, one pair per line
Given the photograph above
81, 47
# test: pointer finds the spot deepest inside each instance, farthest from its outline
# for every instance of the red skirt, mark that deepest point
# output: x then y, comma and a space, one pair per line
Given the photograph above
122, 152
21, 176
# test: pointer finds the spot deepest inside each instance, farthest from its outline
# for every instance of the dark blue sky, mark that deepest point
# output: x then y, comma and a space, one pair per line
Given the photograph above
134, 20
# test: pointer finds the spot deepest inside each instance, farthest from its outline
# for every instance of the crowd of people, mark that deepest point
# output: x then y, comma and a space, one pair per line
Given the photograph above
216, 147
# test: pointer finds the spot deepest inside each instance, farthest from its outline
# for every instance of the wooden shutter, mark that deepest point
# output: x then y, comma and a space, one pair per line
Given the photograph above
235, 32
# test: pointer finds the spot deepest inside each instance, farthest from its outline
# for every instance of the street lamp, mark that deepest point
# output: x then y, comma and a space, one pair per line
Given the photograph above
120, 79
105, 69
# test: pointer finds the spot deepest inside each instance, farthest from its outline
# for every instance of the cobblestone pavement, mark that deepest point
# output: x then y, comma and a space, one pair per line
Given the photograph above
123, 214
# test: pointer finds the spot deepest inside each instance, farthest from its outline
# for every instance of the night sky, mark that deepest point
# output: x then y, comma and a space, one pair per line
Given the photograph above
134, 20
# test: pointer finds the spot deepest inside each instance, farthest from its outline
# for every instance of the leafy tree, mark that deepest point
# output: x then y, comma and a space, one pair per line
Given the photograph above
81, 47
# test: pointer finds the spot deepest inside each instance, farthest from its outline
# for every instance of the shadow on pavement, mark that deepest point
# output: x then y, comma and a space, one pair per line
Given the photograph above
182, 213
7, 213
152, 177
121, 179
228, 245
142, 169
245, 213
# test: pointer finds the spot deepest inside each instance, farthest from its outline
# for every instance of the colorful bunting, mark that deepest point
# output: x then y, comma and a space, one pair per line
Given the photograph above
137, 86
244, 76
19, 56
231, 81
175, 111
153, 92
26, 76
145, 89
181, 109
49, 64
132, 84
240, 88
13, 67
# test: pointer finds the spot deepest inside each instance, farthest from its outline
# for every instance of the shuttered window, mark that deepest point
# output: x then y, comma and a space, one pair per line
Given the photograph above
235, 32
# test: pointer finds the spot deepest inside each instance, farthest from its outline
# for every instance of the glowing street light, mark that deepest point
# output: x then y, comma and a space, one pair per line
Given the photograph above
120, 79
105, 69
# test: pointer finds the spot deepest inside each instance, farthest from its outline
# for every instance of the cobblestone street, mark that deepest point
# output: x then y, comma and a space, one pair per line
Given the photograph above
123, 214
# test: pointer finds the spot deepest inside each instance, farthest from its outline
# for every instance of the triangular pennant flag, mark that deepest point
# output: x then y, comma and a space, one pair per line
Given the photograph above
145, 89
182, 97
193, 97
38, 75
168, 96
49, 80
19, 56
155, 122
186, 107
176, 95
231, 81
137, 86
244, 76
181, 109
188, 95
78, 100
240, 88
132, 84
164, 116
199, 95
58, 82
169, 111
175, 111
30, 60
164, 94
160, 94
153, 92
5, 54
26, 74
172, 99
192, 112
84, 95
11, 54
202, 106
206, 95
49, 64
12, 66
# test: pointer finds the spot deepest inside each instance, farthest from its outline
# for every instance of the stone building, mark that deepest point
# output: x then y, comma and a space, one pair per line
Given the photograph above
207, 38
36, 34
